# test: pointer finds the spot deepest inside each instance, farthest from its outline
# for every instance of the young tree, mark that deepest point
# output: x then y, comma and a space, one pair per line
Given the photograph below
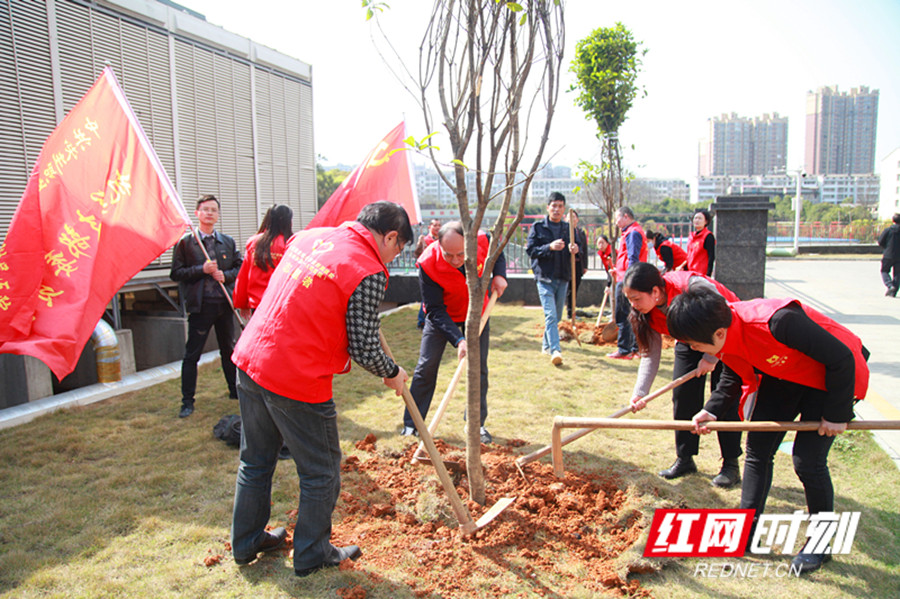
488, 76
606, 66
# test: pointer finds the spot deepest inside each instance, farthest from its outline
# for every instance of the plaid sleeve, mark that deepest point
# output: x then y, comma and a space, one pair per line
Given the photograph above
363, 326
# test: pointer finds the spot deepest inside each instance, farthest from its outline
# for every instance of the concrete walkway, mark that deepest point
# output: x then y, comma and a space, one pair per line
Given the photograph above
849, 290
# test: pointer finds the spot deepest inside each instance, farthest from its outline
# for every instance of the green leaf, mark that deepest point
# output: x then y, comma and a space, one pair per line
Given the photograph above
524, 18
460, 163
514, 6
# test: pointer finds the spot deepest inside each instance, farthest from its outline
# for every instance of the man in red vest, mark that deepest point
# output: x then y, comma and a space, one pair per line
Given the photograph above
789, 360
632, 249
423, 242
445, 295
319, 310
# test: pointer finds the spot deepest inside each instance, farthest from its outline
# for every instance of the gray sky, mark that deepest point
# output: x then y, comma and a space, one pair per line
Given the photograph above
705, 58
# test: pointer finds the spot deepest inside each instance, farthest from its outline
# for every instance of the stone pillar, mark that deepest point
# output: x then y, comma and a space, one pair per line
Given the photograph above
740, 224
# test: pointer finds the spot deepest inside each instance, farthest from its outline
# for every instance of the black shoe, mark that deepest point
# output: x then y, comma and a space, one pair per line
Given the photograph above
271, 541
349, 552
186, 410
486, 437
409, 431
809, 562
729, 475
891, 291
681, 467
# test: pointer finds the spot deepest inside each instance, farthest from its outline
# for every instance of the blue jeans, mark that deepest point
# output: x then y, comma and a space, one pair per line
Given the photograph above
553, 300
625, 340
310, 432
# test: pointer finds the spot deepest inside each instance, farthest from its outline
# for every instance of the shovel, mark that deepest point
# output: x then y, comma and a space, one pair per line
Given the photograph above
460, 369
463, 516
536, 455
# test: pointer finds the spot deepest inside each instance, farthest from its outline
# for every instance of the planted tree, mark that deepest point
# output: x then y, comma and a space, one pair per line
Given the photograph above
606, 66
488, 80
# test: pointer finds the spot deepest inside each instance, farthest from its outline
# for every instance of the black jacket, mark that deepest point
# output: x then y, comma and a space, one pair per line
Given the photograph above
890, 241
547, 264
187, 267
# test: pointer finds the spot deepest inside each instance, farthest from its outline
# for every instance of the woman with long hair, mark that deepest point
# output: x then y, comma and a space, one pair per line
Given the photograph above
650, 294
264, 252
667, 250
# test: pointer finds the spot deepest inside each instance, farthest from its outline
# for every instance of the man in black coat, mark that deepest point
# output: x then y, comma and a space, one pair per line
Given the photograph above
890, 241
199, 286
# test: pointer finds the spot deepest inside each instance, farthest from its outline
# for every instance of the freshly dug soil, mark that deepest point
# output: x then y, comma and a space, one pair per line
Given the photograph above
560, 535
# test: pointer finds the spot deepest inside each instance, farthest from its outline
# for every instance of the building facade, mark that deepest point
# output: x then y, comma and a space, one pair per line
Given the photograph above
840, 131
861, 190
889, 201
227, 116
742, 146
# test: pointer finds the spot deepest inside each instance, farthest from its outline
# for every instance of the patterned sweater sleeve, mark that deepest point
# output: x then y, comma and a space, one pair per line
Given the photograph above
363, 326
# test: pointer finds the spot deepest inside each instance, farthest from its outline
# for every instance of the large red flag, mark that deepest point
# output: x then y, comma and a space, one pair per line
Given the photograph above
98, 207
385, 174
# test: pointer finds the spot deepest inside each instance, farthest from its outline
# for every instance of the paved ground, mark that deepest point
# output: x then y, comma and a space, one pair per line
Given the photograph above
850, 291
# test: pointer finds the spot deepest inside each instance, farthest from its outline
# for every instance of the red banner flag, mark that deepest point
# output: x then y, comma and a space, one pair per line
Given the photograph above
385, 174
98, 207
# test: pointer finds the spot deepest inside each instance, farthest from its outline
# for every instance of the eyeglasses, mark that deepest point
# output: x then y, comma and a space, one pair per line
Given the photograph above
209, 210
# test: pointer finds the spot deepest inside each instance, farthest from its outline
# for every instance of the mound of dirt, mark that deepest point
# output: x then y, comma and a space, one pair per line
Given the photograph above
398, 512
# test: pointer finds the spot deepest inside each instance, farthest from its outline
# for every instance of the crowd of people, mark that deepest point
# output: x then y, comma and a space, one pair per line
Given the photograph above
311, 301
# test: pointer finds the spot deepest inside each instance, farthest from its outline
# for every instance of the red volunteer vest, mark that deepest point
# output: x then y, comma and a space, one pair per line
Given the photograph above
251, 280
750, 345
622, 250
451, 280
606, 257
297, 339
697, 258
679, 256
676, 282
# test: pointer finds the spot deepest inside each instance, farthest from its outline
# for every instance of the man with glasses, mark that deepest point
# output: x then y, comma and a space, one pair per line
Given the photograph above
319, 311
445, 295
200, 287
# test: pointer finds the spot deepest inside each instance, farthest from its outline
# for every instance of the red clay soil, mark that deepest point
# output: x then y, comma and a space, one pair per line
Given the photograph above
554, 527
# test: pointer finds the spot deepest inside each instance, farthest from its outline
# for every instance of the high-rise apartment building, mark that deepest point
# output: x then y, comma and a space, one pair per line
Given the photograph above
840, 131
744, 146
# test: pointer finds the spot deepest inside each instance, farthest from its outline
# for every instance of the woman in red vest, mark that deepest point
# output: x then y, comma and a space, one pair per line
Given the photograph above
650, 294
789, 360
264, 252
701, 248
669, 252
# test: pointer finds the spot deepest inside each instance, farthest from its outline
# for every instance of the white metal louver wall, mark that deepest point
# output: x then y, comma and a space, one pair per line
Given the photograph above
194, 100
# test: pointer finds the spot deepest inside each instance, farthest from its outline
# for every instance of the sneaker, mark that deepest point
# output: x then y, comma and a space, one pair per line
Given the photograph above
486, 437
556, 358
545, 351
891, 291
409, 431
620, 355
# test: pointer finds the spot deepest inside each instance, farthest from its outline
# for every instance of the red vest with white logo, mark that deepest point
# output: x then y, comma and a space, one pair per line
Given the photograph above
297, 339
679, 256
750, 344
697, 258
451, 280
677, 282
622, 250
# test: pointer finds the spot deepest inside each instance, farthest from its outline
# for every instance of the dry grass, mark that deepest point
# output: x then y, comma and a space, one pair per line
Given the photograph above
122, 498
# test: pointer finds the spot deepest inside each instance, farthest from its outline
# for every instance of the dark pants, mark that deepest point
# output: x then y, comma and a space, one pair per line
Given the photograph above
310, 432
887, 264
626, 341
424, 378
213, 314
782, 400
687, 400
578, 276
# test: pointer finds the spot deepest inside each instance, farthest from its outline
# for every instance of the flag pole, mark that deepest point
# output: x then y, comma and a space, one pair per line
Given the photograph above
240, 319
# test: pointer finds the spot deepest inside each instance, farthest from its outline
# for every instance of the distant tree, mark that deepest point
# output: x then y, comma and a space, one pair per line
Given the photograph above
327, 181
606, 66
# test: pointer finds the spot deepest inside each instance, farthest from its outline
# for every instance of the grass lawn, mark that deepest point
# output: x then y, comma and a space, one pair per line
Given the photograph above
123, 499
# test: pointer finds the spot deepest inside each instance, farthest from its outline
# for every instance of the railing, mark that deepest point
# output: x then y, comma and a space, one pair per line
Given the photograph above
819, 233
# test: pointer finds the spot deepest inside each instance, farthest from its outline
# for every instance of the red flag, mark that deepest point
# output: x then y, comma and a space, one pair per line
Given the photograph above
98, 207
385, 174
